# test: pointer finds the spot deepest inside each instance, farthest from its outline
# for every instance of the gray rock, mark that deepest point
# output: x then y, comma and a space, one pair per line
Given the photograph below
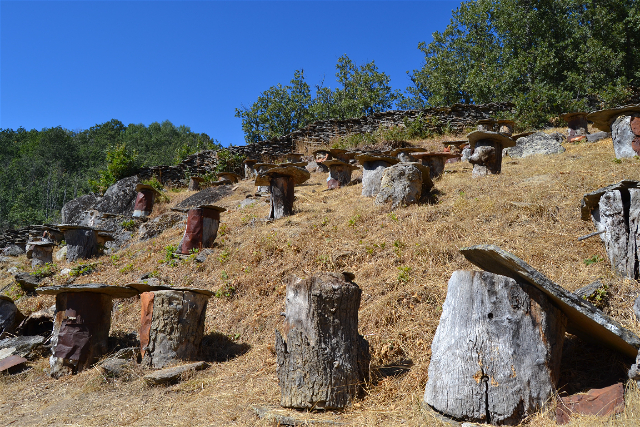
120, 363
316, 167
120, 198
13, 270
72, 210
61, 254
156, 226
203, 255
537, 143
634, 372
13, 250
23, 346
622, 136
466, 153
372, 177
10, 316
401, 184
28, 282
100, 288
598, 136
590, 290
208, 196
584, 319
171, 375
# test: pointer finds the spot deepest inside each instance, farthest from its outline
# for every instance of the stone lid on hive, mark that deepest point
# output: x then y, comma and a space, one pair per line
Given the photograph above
141, 187
370, 157
100, 288
479, 135
337, 162
567, 117
211, 207
145, 287
590, 200
435, 154
105, 236
406, 150
197, 178
506, 122
522, 135
299, 175
65, 227
296, 164
490, 122
230, 175
41, 243
250, 161
602, 119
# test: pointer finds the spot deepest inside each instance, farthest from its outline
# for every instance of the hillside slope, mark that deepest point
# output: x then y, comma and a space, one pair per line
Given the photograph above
401, 259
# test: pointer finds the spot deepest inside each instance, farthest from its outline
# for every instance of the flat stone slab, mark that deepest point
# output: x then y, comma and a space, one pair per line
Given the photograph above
279, 417
299, 175
590, 200
146, 287
170, 375
101, 288
584, 319
601, 402
10, 362
20, 346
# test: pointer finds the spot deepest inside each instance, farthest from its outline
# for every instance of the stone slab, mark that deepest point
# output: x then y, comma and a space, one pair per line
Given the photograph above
279, 417
10, 362
590, 200
111, 290
21, 346
584, 319
146, 287
601, 402
170, 375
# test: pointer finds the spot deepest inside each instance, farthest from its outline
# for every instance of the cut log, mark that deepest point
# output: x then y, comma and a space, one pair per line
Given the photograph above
82, 243
281, 190
322, 360
495, 357
176, 326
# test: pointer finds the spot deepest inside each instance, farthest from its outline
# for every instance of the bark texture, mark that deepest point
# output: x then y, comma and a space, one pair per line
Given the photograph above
486, 158
281, 190
496, 353
322, 360
81, 244
372, 177
341, 174
618, 214
177, 328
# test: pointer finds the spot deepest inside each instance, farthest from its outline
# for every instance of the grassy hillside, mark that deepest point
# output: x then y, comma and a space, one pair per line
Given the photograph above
402, 260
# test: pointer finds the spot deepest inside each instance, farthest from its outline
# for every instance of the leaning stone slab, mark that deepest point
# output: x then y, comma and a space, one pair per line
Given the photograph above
170, 375
601, 402
591, 200
583, 319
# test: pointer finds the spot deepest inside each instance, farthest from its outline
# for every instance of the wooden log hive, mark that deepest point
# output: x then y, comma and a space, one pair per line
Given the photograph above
339, 173
322, 361
486, 156
281, 181
195, 182
172, 326
82, 242
41, 254
201, 229
144, 200
496, 352
373, 167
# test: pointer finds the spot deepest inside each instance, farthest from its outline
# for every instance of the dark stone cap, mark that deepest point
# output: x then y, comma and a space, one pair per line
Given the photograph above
602, 119
197, 178
100, 288
41, 243
296, 164
250, 161
140, 187
522, 135
64, 227
479, 135
144, 287
299, 175
336, 162
567, 117
210, 207
368, 157
406, 150
433, 154
590, 200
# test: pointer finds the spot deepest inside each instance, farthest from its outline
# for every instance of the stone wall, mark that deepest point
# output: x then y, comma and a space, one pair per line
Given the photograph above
322, 133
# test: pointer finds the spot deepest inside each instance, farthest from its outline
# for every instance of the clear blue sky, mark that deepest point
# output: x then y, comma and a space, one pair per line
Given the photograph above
79, 63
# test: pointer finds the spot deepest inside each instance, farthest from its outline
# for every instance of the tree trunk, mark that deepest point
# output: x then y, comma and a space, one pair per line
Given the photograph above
281, 189
173, 329
495, 357
372, 177
323, 361
80, 331
81, 244
340, 175
618, 214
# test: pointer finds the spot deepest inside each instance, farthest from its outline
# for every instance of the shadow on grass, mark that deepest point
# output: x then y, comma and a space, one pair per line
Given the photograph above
217, 347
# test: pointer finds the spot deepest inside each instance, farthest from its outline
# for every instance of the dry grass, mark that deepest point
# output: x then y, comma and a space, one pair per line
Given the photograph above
402, 260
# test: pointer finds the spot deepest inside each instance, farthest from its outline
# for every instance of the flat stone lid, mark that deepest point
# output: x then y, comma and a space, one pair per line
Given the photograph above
64, 227
486, 122
479, 135
367, 157
602, 119
100, 288
506, 122
406, 150
41, 243
522, 135
583, 318
140, 187
229, 174
106, 236
197, 178
299, 175
433, 154
210, 207
144, 287
567, 117
250, 161
336, 162
590, 200
296, 164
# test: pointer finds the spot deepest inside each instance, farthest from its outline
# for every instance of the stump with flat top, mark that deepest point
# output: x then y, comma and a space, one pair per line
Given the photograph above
281, 181
322, 361
82, 242
486, 147
624, 125
495, 357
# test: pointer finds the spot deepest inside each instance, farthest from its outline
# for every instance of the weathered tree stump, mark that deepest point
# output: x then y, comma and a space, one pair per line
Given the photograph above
495, 357
372, 168
322, 360
339, 173
577, 126
195, 182
281, 181
144, 200
403, 184
41, 254
617, 214
81, 325
249, 170
82, 242
261, 168
486, 157
172, 326
201, 229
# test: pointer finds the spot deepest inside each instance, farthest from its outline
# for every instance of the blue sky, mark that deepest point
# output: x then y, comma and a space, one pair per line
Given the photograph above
79, 63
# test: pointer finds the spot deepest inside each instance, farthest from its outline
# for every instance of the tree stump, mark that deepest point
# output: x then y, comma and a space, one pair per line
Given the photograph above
486, 158
201, 229
281, 190
618, 215
249, 170
496, 354
625, 132
194, 183
322, 361
82, 243
42, 254
401, 185
172, 326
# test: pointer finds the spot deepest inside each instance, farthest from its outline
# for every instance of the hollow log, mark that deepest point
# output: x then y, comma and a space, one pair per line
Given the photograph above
339, 176
80, 331
281, 190
81, 244
41, 255
372, 177
495, 357
322, 361
172, 326
486, 158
